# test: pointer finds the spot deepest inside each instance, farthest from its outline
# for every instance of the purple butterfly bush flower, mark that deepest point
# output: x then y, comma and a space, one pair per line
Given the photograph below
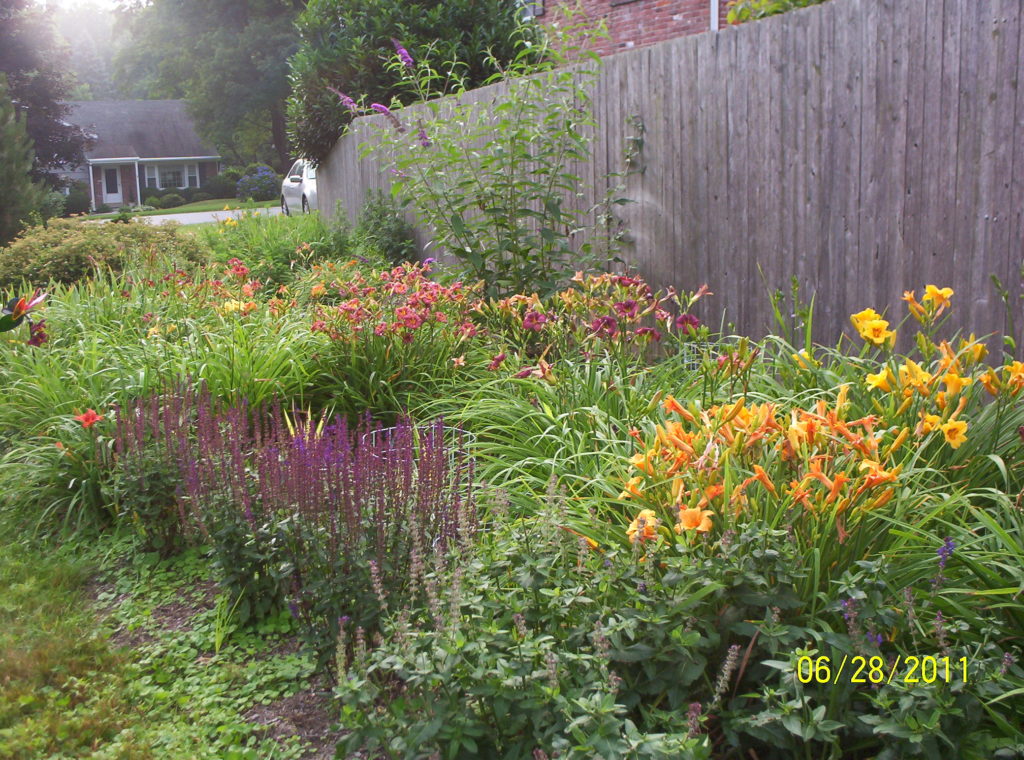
403, 54
345, 100
421, 135
383, 109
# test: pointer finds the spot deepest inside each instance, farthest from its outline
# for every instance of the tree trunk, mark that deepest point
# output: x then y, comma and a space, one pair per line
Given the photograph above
279, 136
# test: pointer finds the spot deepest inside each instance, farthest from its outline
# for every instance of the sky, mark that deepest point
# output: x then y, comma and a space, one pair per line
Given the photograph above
104, 4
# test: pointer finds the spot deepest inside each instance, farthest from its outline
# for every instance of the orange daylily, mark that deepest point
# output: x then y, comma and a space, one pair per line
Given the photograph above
695, 519
644, 527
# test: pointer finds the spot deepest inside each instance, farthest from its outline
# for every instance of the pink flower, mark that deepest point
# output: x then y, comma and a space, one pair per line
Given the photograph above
604, 327
687, 322
626, 309
496, 362
459, 361
534, 320
655, 335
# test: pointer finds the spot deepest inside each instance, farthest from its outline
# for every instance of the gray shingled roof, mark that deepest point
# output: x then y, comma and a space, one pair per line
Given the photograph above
139, 129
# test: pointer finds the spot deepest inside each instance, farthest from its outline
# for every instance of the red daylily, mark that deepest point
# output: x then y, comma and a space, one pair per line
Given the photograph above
23, 307
89, 419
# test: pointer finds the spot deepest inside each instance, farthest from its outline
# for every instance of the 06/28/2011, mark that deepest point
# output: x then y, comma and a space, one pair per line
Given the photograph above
876, 670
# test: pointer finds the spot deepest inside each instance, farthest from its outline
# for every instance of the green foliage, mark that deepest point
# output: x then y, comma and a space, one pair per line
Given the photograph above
39, 82
67, 251
78, 199
236, 87
278, 246
20, 196
157, 689
171, 200
382, 231
53, 205
345, 45
748, 10
222, 185
497, 185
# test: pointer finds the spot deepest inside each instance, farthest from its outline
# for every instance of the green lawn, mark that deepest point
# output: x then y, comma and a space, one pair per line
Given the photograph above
217, 204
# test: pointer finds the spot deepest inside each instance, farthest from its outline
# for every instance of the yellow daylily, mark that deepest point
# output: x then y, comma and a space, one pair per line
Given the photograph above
882, 381
955, 432
938, 297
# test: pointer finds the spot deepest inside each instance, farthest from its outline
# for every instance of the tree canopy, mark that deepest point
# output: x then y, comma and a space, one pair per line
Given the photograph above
227, 58
35, 65
345, 44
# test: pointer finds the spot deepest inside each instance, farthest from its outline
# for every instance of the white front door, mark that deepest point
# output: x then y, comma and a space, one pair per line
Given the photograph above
112, 185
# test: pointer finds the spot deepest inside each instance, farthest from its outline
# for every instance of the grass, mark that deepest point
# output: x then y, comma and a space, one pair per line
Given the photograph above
217, 204
181, 690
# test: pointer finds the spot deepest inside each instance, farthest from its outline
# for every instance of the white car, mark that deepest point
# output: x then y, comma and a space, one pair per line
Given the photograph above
298, 190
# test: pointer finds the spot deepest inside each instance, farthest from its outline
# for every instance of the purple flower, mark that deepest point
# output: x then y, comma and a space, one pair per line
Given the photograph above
945, 552
382, 109
345, 100
403, 54
421, 135
428, 261
687, 322
37, 333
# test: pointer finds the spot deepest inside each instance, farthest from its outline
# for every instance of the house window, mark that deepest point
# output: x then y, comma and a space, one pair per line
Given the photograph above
171, 176
193, 175
531, 9
151, 176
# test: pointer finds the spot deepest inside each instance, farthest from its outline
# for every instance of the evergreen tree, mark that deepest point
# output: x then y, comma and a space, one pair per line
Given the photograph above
19, 194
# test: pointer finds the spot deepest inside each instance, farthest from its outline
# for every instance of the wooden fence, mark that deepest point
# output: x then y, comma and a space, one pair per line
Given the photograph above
862, 146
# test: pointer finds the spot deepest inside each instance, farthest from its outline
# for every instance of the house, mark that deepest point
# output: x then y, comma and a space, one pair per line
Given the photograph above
139, 144
635, 23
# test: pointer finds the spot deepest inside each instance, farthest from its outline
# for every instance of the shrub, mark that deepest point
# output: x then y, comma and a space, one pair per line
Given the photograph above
456, 30
199, 197
67, 250
382, 231
259, 183
172, 200
497, 185
103, 208
148, 193
220, 186
78, 199
54, 204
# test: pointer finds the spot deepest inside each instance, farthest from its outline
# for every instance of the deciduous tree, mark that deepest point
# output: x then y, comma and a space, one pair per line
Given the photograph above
346, 44
38, 80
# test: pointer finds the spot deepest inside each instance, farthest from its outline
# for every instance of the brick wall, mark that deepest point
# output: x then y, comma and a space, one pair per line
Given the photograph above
635, 23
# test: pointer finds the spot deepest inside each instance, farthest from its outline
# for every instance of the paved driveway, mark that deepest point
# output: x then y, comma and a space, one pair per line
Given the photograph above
199, 217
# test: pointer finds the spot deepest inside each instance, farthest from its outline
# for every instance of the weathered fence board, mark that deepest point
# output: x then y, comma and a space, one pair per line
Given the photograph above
862, 146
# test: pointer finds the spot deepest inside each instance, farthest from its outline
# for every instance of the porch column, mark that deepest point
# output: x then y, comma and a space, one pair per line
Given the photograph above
138, 192
92, 189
